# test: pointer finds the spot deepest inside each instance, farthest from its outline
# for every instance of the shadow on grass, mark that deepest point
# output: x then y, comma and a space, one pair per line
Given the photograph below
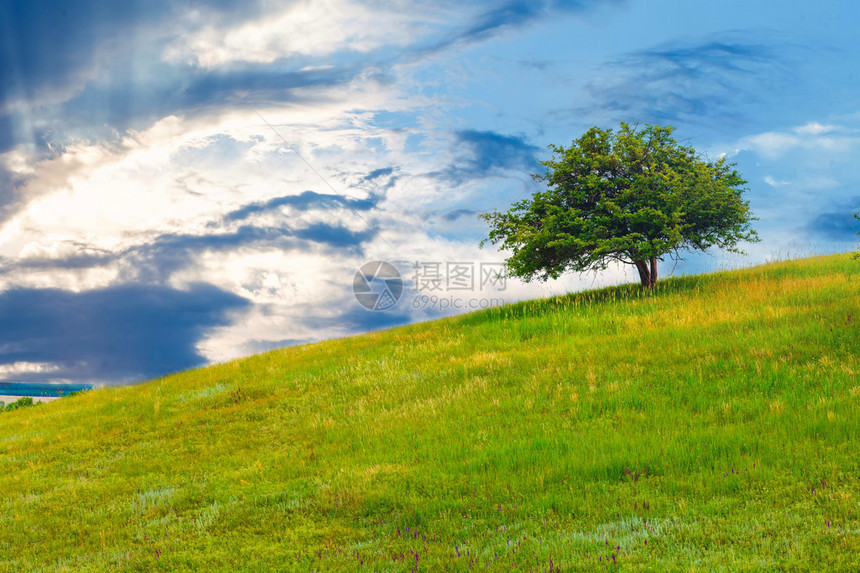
589, 299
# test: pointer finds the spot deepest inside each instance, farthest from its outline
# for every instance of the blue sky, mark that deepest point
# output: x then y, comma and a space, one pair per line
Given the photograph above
187, 182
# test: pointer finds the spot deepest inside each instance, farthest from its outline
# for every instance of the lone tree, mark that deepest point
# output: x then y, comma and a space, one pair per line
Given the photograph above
631, 195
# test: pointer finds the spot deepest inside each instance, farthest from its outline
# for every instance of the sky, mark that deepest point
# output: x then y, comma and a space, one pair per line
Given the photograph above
187, 182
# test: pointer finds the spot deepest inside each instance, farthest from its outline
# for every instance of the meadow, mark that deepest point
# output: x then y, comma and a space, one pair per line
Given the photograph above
711, 423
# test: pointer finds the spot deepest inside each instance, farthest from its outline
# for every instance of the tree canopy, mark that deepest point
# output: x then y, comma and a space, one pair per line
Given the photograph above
631, 195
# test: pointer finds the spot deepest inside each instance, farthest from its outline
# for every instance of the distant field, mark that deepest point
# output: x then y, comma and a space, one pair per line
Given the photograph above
10, 399
711, 424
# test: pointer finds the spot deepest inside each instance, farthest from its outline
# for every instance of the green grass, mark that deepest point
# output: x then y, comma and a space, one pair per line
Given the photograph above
711, 424
23, 402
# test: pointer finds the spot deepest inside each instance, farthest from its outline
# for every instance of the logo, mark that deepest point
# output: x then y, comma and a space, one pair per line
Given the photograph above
377, 285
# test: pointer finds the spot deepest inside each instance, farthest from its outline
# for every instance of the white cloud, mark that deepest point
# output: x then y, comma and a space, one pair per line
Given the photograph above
810, 137
814, 128
307, 28
772, 144
17, 368
17, 162
774, 183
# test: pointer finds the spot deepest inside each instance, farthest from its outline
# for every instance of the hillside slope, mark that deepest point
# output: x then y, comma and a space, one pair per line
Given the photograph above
712, 423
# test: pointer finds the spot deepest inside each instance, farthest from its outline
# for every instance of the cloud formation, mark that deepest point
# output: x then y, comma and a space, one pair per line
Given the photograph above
305, 201
480, 154
681, 83
838, 225
516, 13
117, 334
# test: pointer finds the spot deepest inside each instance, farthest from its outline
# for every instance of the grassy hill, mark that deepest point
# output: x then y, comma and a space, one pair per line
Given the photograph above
710, 424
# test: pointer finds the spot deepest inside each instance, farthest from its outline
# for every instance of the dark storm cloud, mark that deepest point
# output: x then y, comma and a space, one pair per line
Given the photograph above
376, 173
118, 334
482, 154
383, 179
157, 260
303, 202
53, 44
839, 224
451, 216
717, 79
334, 235
487, 150
517, 13
84, 260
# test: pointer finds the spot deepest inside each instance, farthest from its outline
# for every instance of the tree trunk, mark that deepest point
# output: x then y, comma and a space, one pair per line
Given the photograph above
644, 273
647, 274
653, 271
